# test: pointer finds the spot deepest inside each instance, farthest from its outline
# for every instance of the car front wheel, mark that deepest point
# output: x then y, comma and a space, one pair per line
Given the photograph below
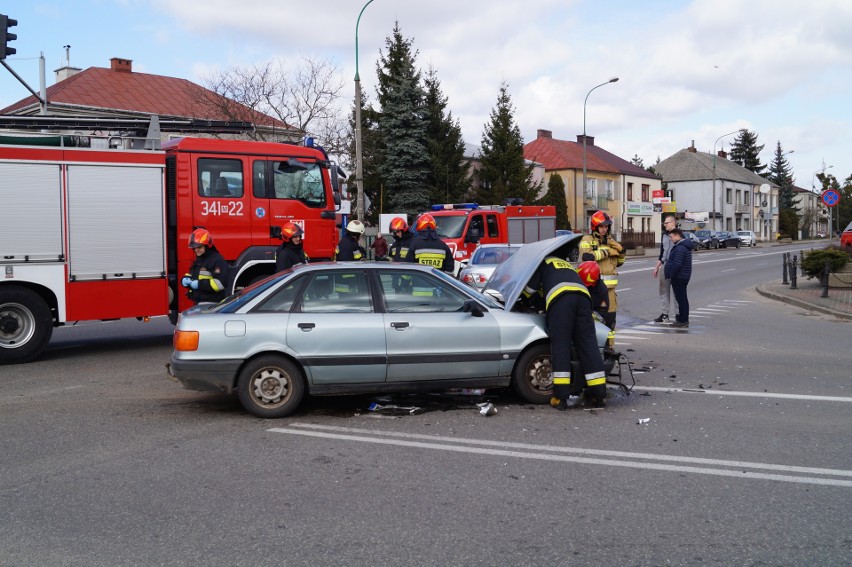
533, 376
271, 387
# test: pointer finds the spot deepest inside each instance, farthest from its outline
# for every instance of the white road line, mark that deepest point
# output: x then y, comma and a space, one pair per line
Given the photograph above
747, 394
546, 453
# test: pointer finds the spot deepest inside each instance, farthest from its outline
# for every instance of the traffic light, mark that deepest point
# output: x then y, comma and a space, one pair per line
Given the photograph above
5, 23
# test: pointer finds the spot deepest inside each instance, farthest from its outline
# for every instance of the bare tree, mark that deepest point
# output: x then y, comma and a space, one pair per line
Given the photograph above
307, 99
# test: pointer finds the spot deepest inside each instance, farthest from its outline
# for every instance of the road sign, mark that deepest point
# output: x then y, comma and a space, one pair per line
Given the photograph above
830, 197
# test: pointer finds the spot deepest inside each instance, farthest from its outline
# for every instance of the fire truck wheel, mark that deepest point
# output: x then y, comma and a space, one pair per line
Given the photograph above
25, 324
270, 387
533, 376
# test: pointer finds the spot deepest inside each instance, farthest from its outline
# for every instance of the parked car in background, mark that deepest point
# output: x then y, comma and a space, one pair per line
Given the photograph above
691, 236
747, 237
371, 327
484, 259
846, 238
706, 239
727, 239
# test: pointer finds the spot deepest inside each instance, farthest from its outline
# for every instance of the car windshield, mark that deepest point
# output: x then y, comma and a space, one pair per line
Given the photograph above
234, 302
487, 300
450, 226
702, 233
492, 255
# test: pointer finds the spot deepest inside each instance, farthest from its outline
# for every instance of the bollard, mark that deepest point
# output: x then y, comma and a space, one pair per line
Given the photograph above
802, 265
784, 269
824, 280
793, 273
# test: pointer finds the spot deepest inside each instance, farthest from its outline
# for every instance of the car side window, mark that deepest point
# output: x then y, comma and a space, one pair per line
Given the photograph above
282, 300
418, 292
343, 291
493, 227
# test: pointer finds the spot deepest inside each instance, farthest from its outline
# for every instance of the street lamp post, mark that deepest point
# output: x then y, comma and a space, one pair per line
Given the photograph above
359, 160
714, 172
612, 80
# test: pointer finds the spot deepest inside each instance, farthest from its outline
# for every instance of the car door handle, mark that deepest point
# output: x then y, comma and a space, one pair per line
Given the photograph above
399, 325
307, 326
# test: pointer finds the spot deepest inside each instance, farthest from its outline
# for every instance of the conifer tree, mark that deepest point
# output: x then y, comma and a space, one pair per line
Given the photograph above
780, 173
447, 179
404, 165
504, 172
746, 152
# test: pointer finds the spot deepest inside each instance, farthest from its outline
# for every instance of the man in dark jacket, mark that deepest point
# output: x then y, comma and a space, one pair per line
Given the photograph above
402, 239
349, 248
678, 269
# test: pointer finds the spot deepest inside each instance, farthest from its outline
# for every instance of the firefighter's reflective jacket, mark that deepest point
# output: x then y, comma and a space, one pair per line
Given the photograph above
348, 250
211, 271
430, 250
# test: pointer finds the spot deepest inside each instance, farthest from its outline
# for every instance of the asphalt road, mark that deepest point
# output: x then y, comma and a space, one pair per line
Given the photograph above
745, 457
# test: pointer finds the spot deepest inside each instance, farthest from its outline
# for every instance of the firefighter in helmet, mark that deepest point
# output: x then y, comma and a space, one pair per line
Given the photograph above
401, 239
291, 251
426, 248
208, 275
569, 320
600, 247
349, 249
590, 273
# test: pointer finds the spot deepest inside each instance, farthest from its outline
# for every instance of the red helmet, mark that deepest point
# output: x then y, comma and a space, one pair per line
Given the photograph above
590, 273
426, 222
600, 218
290, 230
200, 237
398, 223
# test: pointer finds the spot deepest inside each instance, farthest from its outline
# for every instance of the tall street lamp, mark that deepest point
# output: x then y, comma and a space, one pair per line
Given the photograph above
714, 172
612, 80
359, 160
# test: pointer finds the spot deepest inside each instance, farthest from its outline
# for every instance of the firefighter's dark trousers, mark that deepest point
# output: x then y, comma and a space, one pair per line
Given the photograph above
569, 322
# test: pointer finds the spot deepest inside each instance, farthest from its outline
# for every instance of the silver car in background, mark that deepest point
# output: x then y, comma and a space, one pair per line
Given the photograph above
483, 261
747, 237
369, 327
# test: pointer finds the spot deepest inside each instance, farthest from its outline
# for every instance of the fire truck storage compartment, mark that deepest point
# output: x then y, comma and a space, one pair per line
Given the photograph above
31, 205
116, 222
530, 229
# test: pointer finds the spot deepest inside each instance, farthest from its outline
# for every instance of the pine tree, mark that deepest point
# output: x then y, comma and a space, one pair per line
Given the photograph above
447, 178
746, 152
504, 172
555, 196
637, 161
780, 173
404, 167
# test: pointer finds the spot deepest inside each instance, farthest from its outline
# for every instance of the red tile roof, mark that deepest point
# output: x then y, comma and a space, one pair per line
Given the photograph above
108, 90
556, 154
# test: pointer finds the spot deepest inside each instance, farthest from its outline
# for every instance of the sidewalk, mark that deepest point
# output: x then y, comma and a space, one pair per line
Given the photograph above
807, 296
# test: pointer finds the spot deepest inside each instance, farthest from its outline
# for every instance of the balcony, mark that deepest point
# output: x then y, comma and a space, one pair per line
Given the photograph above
742, 209
598, 202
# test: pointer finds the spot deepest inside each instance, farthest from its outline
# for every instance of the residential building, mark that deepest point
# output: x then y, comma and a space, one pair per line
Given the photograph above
622, 189
720, 194
119, 92
813, 214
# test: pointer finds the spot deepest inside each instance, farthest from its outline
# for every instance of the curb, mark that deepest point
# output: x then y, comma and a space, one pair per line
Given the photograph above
801, 303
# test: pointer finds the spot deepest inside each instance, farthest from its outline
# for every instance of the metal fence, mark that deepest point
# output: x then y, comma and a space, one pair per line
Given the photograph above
630, 239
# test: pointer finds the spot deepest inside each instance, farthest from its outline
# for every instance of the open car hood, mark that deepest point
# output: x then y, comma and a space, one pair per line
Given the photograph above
511, 276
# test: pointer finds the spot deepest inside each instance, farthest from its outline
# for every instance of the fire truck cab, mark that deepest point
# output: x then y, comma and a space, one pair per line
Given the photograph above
463, 226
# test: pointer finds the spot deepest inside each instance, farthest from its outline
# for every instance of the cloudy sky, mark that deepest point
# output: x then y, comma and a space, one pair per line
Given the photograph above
688, 70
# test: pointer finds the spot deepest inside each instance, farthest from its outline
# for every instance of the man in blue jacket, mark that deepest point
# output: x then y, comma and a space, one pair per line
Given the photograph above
679, 269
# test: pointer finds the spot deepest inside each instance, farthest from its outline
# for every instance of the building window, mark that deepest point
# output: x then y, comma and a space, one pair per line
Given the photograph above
728, 193
610, 189
629, 191
591, 189
630, 223
646, 193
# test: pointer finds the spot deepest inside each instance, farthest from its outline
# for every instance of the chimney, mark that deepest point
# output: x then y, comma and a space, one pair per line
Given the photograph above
64, 72
691, 149
590, 140
544, 134
121, 65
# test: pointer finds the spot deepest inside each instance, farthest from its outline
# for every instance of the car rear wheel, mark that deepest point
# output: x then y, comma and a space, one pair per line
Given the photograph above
271, 387
532, 378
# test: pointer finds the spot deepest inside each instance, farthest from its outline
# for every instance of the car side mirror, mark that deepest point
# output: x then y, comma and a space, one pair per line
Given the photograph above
472, 307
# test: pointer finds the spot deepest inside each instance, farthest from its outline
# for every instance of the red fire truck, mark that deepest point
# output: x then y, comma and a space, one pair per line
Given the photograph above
99, 233
464, 225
